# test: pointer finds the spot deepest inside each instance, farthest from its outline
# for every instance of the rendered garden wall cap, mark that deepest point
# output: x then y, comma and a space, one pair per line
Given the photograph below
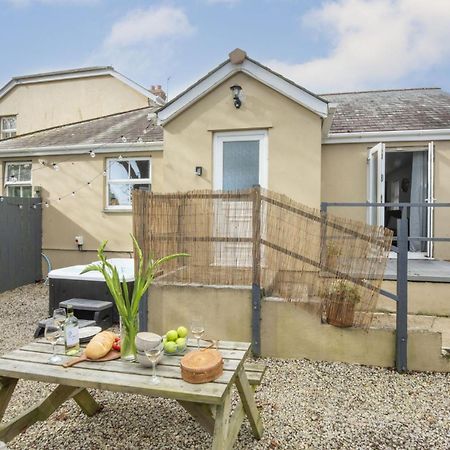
237, 56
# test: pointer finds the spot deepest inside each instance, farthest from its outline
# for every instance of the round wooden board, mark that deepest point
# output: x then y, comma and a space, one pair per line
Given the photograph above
201, 366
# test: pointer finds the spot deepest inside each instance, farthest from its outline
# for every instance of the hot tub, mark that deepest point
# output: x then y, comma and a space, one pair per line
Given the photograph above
67, 283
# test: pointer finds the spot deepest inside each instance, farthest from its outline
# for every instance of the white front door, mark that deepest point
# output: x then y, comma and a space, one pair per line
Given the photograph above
376, 183
240, 162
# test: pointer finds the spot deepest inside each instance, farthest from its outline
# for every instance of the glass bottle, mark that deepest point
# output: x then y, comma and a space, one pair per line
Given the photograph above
71, 333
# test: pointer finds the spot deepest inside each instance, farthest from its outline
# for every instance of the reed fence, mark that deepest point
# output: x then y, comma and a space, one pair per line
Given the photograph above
261, 238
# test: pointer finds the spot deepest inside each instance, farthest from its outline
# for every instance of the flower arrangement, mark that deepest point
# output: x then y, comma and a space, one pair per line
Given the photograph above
128, 303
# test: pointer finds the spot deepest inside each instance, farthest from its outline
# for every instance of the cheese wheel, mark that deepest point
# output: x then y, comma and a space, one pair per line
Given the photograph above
100, 345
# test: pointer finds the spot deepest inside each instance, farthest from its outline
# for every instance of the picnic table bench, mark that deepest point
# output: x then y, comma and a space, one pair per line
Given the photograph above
209, 403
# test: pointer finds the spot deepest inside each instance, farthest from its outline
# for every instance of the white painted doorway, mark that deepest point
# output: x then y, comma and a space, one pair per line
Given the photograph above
240, 161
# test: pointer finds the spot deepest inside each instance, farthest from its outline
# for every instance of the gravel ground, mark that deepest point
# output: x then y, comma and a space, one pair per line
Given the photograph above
305, 405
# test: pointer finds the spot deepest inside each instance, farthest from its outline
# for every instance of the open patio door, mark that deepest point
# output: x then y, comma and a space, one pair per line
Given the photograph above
376, 170
430, 199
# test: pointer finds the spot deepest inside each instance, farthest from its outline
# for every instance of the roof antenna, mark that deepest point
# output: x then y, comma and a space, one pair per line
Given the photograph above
167, 88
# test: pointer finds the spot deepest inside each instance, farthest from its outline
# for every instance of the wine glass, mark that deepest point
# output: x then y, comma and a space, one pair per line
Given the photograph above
52, 333
197, 329
59, 316
152, 352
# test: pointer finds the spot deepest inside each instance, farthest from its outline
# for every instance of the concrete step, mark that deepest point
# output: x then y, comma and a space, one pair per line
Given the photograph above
417, 322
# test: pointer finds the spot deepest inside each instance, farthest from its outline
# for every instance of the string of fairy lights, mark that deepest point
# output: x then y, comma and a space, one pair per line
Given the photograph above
43, 164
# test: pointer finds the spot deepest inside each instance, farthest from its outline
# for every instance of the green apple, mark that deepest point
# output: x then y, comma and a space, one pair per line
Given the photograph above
170, 347
182, 332
181, 343
172, 335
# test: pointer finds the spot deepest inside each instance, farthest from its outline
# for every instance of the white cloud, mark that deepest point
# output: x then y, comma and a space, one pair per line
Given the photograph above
144, 26
143, 44
375, 43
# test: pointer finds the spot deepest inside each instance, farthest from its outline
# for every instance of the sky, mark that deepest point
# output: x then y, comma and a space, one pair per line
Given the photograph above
325, 46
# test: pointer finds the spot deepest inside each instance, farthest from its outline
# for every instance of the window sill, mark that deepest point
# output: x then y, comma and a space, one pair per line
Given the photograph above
117, 210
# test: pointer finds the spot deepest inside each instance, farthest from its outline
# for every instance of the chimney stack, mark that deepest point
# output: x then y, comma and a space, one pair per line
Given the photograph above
157, 90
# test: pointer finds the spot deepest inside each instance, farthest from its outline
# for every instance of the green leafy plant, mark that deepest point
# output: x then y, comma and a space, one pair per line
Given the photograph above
343, 290
128, 304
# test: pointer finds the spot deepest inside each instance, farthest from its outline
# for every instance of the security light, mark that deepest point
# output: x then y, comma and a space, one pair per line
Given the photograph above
236, 90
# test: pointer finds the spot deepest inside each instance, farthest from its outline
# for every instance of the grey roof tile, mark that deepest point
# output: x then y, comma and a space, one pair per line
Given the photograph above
102, 130
390, 110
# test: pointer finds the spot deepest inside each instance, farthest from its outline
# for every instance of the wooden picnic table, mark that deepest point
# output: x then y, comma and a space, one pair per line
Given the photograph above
209, 403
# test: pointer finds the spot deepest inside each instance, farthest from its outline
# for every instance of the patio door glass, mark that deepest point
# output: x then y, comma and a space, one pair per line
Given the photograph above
375, 183
402, 175
240, 162
430, 198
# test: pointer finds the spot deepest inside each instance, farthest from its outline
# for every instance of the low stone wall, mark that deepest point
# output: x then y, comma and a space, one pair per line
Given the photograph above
288, 330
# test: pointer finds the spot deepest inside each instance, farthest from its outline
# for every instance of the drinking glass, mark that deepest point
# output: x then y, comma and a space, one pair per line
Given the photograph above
152, 352
197, 329
59, 316
52, 334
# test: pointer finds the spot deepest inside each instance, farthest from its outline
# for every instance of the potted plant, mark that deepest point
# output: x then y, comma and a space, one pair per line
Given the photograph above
340, 303
128, 304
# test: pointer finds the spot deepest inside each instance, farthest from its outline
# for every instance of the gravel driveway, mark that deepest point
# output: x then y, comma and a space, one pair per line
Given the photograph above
305, 405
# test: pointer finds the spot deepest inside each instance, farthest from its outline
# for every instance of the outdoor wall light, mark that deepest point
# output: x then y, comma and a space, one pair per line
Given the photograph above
199, 171
237, 95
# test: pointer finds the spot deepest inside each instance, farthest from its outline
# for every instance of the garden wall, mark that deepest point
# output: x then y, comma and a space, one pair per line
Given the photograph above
288, 329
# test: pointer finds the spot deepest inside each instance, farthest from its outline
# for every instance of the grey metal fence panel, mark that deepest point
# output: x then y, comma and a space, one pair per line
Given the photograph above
20, 242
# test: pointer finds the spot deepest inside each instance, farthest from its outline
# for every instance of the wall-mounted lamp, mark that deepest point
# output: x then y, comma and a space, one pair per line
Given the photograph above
237, 95
199, 171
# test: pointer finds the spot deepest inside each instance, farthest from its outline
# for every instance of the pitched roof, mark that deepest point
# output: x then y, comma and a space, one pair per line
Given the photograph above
82, 72
242, 63
103, 130
390, 110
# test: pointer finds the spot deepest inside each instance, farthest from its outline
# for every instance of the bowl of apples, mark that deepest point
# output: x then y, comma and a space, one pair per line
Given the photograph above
174, 341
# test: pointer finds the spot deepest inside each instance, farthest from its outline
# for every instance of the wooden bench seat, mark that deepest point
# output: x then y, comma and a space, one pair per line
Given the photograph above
255, 373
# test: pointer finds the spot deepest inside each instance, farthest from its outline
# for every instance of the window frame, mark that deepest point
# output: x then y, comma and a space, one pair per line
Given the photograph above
19, 183
10, 131
130, 181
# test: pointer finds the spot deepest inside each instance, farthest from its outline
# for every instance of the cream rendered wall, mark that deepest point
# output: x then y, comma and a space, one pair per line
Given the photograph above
294, 139
344, 179
44, 105
83, 214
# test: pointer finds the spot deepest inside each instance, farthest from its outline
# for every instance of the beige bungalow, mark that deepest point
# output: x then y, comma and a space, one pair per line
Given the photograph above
242, 124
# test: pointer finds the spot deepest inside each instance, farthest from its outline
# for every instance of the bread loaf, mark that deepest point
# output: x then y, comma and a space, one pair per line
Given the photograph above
100, 345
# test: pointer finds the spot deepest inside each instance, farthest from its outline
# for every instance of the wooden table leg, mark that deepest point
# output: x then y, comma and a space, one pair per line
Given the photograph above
87, 403
249, 404
40, 412
7, 386
221, 436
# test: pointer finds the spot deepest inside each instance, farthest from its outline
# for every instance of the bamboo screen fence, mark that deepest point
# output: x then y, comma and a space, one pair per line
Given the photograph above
258, 236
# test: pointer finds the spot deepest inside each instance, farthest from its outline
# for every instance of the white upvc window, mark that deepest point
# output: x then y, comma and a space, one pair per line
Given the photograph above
18, 179
123, 175
8, 127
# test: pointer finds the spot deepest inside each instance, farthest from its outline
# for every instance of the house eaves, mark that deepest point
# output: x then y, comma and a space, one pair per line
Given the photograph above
86, 72
388, 136
251, 68
127, 147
